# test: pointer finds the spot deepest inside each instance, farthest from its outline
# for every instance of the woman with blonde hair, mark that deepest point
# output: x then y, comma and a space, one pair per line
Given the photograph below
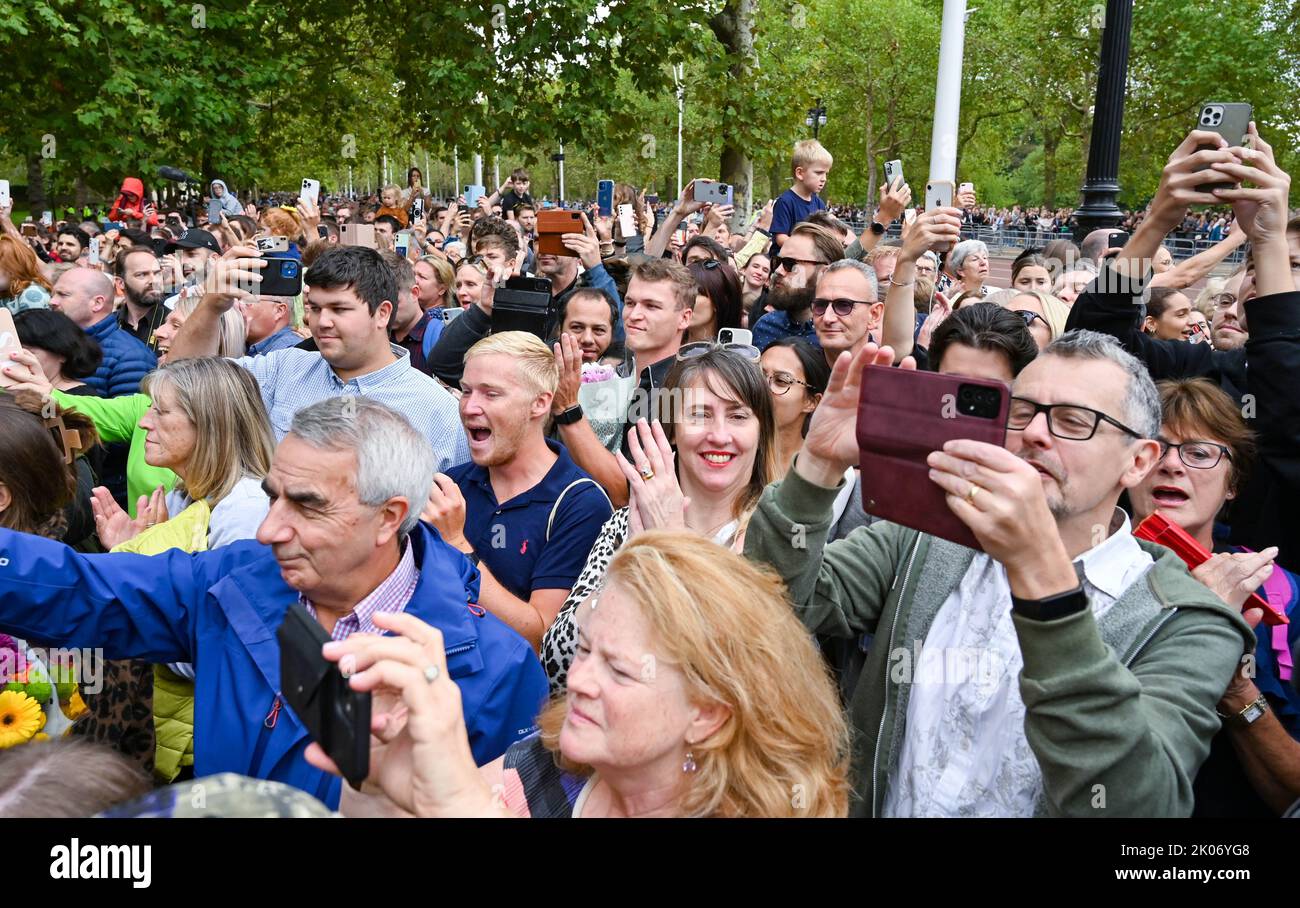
206, 423
1044, 315
117, 419
23, 284
695, 693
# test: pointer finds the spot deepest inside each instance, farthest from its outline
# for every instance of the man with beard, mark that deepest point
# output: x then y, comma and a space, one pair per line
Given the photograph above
195, 248
1066, 668
522, 510
795, 272
139, 283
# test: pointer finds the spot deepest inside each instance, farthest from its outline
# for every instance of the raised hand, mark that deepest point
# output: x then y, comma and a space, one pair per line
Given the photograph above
831, 445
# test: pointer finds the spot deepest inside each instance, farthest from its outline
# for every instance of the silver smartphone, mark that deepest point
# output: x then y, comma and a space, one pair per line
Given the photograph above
893, 173
938, 194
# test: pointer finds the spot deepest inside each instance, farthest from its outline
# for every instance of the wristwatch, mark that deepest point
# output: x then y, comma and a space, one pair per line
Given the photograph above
877, 228
1249, 715
569, 416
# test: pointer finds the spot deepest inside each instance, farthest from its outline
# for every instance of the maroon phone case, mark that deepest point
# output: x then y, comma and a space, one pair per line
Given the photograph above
903, 415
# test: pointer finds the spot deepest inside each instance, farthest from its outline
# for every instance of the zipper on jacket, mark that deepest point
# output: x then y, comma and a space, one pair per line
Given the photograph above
264, 737
463, 648
875, 757
1155, 630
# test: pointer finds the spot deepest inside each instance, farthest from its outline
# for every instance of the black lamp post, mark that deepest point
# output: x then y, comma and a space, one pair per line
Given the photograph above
1101, 185
816, 117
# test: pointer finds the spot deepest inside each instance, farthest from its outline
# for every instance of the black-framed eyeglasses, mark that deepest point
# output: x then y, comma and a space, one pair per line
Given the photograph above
788, 263
1068, 421
843, 307
780, 383
1028, 316
699, 348
1199, 455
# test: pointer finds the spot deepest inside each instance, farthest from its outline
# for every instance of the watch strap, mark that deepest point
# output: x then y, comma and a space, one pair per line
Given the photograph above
1053, 607
1249, 714
569, 416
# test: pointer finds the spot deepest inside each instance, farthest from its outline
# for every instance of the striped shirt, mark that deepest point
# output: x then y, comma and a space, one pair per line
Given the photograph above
390, 596
292, 379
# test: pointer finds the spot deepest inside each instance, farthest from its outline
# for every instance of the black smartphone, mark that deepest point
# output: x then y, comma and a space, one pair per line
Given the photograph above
321, 232
524, 304
1116, 239
280, 277
337, 716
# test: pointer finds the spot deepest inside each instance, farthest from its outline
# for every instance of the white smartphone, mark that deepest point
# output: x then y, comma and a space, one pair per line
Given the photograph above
736, 336
626, 222
272, 244
966, 187
938, 194
311, 192
4, 194
402, 244
94, 250
47, 218
893, 172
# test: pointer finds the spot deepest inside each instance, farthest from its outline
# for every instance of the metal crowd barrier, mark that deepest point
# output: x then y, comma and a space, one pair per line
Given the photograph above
1012, 240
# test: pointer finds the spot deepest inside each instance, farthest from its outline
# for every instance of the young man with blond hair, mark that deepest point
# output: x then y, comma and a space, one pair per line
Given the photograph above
522, 510
810, 165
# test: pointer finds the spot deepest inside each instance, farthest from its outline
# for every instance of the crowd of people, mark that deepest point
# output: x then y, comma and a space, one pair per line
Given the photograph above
583, 512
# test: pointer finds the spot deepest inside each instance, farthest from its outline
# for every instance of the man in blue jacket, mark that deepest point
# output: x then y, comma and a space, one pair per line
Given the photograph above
86, 296
342, 537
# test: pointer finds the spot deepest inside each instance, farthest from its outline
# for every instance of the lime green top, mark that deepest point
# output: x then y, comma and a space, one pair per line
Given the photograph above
117, 419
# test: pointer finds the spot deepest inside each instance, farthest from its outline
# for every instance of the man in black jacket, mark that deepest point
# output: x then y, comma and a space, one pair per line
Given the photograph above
1264, 373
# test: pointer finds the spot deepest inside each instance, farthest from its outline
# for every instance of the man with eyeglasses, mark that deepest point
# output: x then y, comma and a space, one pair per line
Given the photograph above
1068, 669
795, 273
847, 309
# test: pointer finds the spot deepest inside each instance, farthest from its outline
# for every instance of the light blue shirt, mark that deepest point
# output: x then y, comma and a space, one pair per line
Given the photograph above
292, 379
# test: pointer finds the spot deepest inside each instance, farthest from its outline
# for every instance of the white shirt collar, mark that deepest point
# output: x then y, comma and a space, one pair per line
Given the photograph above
1105, 565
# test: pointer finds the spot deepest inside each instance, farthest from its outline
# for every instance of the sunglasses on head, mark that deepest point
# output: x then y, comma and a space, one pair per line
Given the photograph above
699, 348
1028, 317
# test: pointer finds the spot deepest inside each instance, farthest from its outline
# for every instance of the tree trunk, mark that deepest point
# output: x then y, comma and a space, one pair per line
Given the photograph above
734, 28
81, 195
36, 198
869, 126
1051, 141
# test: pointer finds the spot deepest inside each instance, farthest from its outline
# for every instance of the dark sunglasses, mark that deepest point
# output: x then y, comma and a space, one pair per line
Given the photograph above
784, 261
843, 307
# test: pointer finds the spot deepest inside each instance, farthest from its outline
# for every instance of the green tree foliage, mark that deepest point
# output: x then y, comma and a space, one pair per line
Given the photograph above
265, 93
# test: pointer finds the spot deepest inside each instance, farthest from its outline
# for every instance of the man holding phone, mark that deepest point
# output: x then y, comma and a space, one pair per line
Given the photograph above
350, 306
342, 537
1067, 669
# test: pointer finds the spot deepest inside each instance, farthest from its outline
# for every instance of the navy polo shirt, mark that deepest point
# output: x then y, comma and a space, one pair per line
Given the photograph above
510, 538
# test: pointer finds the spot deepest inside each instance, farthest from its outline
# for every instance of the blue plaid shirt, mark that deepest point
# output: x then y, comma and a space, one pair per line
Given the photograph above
292, 379
281, 340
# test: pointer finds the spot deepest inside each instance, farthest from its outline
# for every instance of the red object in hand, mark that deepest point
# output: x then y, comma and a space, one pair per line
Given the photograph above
1162, 531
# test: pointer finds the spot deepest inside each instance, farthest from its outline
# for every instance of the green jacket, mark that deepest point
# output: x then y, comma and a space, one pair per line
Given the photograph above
117, 419
1118, 712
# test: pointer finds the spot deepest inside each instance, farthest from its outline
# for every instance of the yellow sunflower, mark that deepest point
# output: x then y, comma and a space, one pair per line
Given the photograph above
21, 717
